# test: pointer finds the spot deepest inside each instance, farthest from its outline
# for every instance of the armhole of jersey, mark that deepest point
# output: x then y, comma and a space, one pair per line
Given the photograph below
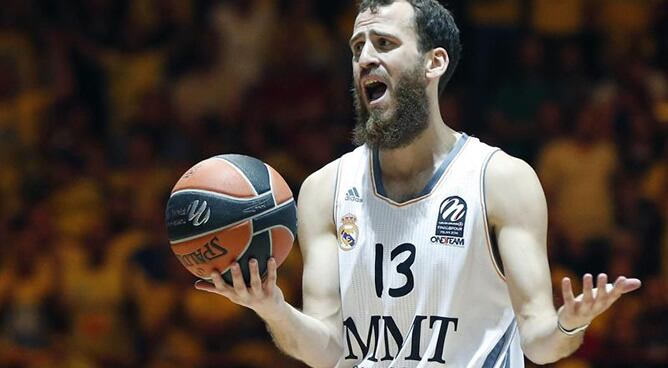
335, 206
492, 245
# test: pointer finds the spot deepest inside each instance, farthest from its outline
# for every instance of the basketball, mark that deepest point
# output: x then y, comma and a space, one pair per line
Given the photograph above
230, 208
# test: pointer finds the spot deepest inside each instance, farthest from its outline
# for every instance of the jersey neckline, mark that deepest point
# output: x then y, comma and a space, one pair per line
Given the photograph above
378, 177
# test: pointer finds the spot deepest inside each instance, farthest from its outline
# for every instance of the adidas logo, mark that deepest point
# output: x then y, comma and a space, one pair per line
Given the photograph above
353, 195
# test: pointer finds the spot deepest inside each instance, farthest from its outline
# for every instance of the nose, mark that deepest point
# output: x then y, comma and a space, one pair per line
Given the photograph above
368, 57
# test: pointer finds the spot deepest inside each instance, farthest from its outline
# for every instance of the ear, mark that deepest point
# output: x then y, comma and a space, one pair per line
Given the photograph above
437, 63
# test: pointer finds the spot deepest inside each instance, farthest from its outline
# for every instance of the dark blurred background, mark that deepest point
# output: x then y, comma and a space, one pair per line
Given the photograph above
105, 103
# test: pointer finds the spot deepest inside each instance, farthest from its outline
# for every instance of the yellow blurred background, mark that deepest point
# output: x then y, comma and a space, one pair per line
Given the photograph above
105, 103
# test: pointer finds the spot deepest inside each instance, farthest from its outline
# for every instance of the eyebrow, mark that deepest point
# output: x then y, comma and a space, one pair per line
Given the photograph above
373, 33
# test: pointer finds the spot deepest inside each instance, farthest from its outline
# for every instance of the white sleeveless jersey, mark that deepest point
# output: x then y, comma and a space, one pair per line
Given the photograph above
419, 284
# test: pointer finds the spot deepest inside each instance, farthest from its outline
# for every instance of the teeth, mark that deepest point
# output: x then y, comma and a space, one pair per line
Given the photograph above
370, 82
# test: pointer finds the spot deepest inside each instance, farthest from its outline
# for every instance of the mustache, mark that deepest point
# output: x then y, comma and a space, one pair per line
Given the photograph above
375, 72
406, 120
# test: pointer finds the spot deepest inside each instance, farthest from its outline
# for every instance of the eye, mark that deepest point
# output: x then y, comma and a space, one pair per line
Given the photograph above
357, 47
384, 43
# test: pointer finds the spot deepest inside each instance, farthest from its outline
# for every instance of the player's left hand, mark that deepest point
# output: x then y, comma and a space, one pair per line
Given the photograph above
581, 310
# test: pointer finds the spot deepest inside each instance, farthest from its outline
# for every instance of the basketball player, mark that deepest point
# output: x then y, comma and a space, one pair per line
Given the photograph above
423, 247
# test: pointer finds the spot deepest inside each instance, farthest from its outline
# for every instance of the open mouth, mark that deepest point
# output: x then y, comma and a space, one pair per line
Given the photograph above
374, 90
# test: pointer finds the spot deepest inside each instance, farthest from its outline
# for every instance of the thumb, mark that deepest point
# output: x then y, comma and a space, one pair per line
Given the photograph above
627, 285
205, 286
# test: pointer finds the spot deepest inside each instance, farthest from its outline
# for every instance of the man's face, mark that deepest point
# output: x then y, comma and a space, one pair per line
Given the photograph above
389, 78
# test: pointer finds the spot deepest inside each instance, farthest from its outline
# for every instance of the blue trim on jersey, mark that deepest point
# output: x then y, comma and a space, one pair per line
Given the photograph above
336, 192
378, 177
493, 356
506, 360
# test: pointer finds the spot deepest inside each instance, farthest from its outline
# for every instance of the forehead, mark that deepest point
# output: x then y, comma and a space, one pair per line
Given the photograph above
396, 18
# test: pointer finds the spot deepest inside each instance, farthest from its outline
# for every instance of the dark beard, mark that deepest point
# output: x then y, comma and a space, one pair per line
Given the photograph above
410, 118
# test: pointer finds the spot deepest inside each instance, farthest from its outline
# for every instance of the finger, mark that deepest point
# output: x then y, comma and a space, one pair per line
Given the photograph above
567, 292
587, 288
207, 286
630, 285
271, 275
624, 285
256, 283
618, 287
203, 285
238, 280
217, 280
601, 282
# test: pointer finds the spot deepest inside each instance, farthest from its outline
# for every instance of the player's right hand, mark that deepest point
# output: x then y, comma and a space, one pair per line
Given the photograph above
264, 297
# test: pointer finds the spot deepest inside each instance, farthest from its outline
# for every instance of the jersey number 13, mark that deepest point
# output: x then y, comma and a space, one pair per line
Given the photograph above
403, 268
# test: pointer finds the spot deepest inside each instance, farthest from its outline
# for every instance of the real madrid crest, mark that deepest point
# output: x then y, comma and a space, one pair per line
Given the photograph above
348, 232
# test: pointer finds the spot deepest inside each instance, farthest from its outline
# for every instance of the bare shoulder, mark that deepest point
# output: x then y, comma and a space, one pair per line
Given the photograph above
323, 179
316, 205
503, 166
512, 188
317, 190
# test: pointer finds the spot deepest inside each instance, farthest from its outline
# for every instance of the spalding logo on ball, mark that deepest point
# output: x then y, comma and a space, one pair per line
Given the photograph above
230, 208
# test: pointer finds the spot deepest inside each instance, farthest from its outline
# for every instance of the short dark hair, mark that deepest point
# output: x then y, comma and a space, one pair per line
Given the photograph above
434, 26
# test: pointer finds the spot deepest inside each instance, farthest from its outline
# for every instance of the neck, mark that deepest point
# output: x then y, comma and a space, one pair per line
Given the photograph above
422, 156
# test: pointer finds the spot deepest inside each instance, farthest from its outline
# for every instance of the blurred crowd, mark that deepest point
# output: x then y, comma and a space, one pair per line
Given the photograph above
105, 103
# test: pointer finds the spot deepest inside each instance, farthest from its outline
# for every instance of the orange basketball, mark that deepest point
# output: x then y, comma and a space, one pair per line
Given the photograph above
230, 208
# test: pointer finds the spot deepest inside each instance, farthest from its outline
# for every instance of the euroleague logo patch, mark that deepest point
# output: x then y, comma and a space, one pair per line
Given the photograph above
450, 222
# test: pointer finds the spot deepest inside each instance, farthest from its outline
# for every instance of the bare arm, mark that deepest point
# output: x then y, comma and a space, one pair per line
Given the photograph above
312, 335
518, 214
